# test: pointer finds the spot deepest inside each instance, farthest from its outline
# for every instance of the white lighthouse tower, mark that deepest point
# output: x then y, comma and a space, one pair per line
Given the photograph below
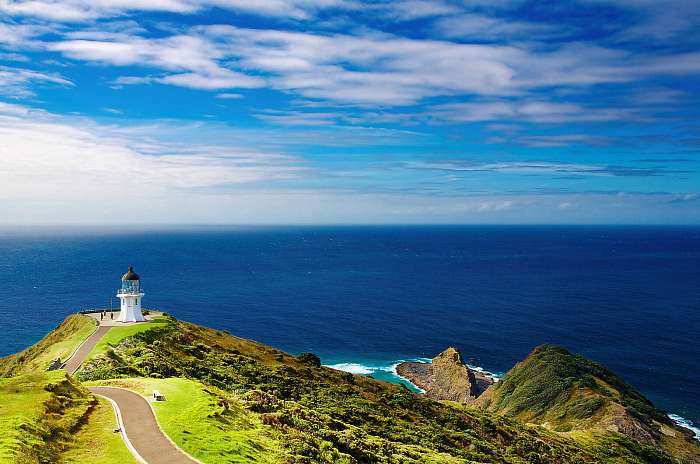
130, 295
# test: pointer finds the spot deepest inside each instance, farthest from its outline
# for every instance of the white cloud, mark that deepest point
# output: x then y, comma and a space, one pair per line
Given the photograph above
175, 53
407, 10
86, 10
18, 82
370, 69
483, 28
46, 157
229, 96
536, 111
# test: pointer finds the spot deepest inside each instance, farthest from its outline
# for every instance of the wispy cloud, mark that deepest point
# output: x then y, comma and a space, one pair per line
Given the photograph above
45, 153
484, 28
86, 10
543, 168
369, 69
18, 82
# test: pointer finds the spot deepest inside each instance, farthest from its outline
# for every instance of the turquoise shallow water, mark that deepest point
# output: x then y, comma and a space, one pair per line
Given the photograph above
627, 297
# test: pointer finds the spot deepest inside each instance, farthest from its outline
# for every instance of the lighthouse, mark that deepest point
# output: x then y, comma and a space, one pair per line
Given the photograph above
130, 295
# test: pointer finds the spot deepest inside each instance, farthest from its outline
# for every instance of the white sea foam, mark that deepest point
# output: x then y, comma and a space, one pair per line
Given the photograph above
395, 373
364, 369
685, 423
493, 375
353, 368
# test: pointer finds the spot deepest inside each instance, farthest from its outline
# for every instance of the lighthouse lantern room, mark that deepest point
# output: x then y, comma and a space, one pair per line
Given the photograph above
130, 295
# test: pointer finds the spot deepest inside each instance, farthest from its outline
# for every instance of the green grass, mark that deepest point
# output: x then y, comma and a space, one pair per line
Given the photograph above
21, 402
38, 413
97, 442
60, 343
566, 391
206, 422
117, 334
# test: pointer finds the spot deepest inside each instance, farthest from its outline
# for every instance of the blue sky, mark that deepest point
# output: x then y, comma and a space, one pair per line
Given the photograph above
348, 111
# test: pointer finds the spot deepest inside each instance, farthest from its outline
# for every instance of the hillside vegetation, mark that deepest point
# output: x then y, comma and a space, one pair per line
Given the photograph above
59, 343
95, 440
231, 400
39, 413
208, 423
322, 415
569, 393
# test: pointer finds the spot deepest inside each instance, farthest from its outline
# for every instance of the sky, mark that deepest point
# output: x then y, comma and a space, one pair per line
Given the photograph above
349, 111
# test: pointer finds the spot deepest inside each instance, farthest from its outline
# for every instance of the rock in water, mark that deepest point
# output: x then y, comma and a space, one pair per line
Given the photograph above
446, 378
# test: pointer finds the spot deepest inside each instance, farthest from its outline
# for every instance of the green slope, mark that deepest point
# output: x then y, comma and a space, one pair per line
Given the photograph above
38, 415
569, 393
210, 424
117, 334
232, 400
59, 343
96, 442
321, 415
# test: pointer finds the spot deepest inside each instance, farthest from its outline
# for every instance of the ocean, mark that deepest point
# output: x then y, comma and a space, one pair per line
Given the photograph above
366, 297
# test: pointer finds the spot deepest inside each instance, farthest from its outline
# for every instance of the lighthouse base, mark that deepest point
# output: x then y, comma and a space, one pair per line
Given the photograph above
130, 309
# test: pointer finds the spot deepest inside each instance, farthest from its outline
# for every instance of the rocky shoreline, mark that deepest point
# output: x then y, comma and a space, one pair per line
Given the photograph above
446, 377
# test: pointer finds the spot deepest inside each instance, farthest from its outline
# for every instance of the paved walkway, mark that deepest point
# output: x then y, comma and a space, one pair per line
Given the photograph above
104, 324
142, 429
77, 358
107, 321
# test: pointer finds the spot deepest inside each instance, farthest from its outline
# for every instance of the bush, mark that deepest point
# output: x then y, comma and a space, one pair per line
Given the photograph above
309, 359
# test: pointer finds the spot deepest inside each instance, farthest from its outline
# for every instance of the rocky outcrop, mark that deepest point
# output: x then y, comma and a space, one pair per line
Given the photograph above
446, 377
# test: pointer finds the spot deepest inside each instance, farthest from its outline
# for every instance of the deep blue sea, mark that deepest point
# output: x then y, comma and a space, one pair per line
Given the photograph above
367, 297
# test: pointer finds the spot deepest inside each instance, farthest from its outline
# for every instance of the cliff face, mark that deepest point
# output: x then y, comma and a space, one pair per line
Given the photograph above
446, 378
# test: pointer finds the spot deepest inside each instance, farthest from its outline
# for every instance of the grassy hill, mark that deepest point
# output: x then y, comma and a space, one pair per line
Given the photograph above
38, 414
318, 414
232, 400
569, 393
60, 343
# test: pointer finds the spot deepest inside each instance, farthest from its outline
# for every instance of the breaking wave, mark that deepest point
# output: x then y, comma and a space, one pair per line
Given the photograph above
687, 424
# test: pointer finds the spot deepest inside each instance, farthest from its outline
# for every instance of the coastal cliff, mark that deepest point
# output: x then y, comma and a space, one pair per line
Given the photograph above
446, 377
568, 393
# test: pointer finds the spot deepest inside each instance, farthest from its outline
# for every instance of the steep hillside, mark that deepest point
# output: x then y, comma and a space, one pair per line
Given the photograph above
569, 393
58, 344
38, 415
233, 400
322, 415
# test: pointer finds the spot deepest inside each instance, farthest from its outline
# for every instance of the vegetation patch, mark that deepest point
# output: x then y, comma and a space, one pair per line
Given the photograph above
96, 441
322, 415
117, 334
58, 344
38, 415
210, 424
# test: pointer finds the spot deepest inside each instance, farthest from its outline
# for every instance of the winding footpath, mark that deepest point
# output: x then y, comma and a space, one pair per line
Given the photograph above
140, 428
137, 422
73, 363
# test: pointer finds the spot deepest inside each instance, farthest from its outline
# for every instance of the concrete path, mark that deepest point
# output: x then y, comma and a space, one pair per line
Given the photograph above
109, 321
77, 358
104, 324
141, 428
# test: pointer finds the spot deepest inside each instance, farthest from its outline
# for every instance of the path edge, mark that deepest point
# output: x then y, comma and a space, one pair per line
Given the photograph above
155, 416
75, 351
122, 430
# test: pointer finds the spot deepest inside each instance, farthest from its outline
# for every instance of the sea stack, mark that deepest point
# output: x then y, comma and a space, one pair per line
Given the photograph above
446, 377
130, 295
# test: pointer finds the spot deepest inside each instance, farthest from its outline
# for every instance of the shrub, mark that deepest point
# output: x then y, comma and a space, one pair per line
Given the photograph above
309, 359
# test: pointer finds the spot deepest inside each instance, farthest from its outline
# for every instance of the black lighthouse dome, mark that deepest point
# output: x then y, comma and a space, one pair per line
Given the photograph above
130, 275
